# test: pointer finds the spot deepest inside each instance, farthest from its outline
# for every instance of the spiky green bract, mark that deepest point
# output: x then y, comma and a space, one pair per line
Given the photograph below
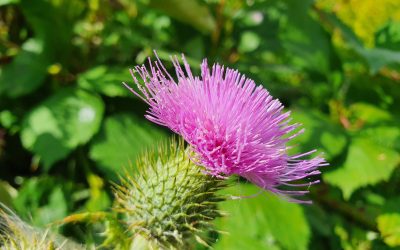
169, 201
16, 234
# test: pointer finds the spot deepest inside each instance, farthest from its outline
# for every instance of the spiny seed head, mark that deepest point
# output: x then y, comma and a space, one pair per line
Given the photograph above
15, 234
169, 200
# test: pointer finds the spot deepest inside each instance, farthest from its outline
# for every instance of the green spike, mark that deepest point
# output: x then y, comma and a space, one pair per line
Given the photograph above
169, 200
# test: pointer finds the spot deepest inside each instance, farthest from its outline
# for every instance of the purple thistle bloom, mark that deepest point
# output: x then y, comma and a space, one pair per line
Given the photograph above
234, 126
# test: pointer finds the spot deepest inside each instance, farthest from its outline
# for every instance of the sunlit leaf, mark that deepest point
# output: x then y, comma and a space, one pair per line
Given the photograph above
65, 120
262, 222
389, 227
369, 113
366, 164
5, 2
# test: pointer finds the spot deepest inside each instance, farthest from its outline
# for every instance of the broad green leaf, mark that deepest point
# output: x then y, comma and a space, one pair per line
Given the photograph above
379, 125
26, 72
305, 41
320, 133
366, 163
191, 12
62, 122
370, 113
120, 141
262, 222
389, 227
385, 135
106, 80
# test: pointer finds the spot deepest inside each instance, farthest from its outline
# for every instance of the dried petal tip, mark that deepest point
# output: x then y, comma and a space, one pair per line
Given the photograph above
233, 125
169, 201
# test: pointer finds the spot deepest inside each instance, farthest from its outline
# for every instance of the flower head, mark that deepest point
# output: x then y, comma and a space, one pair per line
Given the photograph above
233, 125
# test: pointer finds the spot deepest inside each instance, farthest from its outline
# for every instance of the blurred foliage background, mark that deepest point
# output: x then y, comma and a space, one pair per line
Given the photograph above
68, 127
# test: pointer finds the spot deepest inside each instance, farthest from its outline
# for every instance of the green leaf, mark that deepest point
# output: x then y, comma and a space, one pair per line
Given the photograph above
43, 200
120, 141
370, 113
189, 11
366, 163
376, 58
106, 80
305, 41
53, 22
385, 135
26, 72
262, 222
389, 227
62, 122
319, 133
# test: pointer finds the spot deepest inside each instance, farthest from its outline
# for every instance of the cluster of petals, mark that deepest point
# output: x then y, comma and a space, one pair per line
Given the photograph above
233, 125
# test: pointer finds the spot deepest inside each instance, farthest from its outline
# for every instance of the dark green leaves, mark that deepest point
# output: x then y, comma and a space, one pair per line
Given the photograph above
64, 121
304, 39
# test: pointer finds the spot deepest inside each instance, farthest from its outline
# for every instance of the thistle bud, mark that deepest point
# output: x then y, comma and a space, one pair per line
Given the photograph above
169, 201
16, 234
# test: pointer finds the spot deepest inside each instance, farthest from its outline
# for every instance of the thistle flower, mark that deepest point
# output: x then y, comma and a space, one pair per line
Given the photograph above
233, 126
168, 202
